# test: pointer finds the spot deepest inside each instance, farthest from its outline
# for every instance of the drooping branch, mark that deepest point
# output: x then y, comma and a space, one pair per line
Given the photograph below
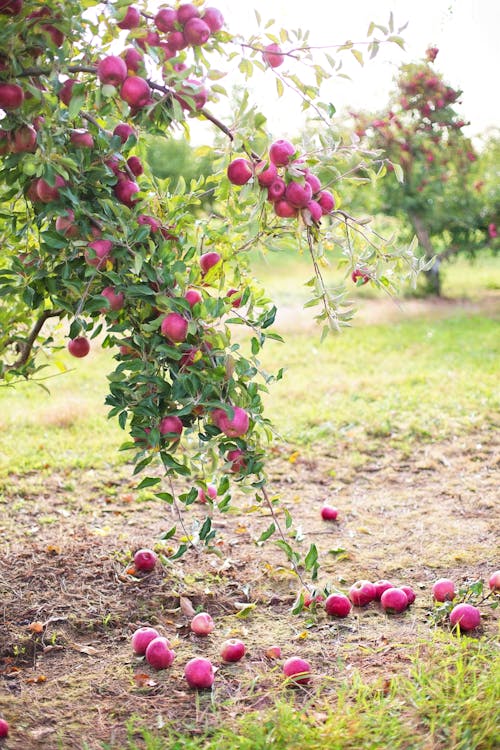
27, 346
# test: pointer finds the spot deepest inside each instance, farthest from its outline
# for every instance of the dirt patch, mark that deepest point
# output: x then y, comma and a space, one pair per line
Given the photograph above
69, 606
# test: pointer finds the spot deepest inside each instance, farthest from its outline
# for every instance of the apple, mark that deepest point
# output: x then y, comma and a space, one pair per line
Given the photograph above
214, 19
237, 460
79, 347
298, 195
149, 221
55, 34
199, 673
131, 19
24, 140
394, 601
273, 56
102, 250
359, 274
174, 327
115, 299
193, 296
145, 560
298, 669
176, 41
202, 623
381, 586
11, 96
4, 726
276, 190
443, 590
267, 173
81, 138
135, 166
124, 131
135, 91
362, 592
195, 90
239, 171
310, 599
196, 32
149, 39
159, 654
285, 210
338, 605
494, 581
273, 652
133, 59
125, 190
48, 193
235, 427
185, 12
142, 638
314, 182
208, 261
410, 594
326, 201
172, 426
66, 224
329, 513
235, 301
232, 650
165, 20
66, 91
281, 152
465, 616
211, 492
112, 70
315, 211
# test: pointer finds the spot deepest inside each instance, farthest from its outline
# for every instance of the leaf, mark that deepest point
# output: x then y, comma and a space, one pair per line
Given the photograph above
311, 558
244, 609
358, 55
148, 482
267, 533
186, 606
398, 171
279, 87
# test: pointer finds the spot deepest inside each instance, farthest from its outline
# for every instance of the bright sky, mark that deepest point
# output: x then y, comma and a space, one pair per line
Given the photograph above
466, 32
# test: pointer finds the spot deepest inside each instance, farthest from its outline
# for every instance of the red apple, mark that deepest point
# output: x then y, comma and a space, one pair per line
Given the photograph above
102, 250
266, 174
208, 261
315, 211
235, 301
66, 91
196, 32
48, 193
165, 20
81, 138
185, 12
281, 152
193, 296
239, 171
276, 190
337, 605
232, 650
115, 299
199, 673
273, 652
112, 70
298, 670
176, 41
11, 96
237, 460
159, 654
124, 131
326, 201
214, 19
362, 592
394, 601
142, 638
24, 140
465, 616
174, 327
285, 210
313, 182
10, 8
135, 91
149, 39
359, 274
135, 166
211, 491
273, 56
172, 426
235, 427
66, 224
145, 560
202, 624
79, 347
410, 594
193, 89
381, 586
125, 190
298, 195
131, 19
149, 221
4, 726
329, 513
133, 59
443, 590
494, 581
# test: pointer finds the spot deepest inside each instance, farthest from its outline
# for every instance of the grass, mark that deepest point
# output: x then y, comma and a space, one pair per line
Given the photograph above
450, 700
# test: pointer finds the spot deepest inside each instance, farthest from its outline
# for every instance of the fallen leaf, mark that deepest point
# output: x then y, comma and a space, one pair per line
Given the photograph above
186, 606
144, 680
293, 457
89, 650
36, 627
53, 549
37, 680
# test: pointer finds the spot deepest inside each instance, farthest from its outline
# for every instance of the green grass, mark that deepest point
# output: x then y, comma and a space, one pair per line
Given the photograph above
450, 700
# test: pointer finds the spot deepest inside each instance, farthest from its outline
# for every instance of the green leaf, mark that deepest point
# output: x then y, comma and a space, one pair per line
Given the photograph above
266, 534
398, 171
311, 558
148, 482
358, 55
279, 87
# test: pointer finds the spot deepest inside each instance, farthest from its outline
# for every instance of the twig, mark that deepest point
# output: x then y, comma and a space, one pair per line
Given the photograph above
27, 346
181, 520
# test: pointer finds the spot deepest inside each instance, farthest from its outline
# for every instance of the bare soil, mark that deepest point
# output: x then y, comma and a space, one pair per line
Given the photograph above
70, 604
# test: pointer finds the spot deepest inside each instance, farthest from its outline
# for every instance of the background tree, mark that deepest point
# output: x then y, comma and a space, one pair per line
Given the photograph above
420, 134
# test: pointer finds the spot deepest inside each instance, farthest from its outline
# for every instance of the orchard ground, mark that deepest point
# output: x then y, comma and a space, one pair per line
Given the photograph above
393, 422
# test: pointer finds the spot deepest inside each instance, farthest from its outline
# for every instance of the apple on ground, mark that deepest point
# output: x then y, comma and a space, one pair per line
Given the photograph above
79, 346
494, 581
297, 670
410, 594
381, 586
145, 560
394, 601
443, 590
465, 616
199, 673
159, 654
202, 624
362, 592
338, 605
4, 728
142, 638
232, 650
273, 652
329, 513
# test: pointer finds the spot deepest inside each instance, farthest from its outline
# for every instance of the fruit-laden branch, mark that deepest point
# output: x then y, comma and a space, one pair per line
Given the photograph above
26, 347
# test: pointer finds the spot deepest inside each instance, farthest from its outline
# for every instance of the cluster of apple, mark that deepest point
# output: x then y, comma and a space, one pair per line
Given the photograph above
291, 188
463, 614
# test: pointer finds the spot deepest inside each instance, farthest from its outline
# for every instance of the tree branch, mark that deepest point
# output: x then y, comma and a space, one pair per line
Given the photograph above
27, 346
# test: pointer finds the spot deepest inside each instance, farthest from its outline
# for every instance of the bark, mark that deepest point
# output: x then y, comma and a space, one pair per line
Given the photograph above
433, 274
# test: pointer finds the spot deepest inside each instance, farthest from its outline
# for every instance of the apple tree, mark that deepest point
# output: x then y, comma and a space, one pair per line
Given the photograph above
98, 247
420, 136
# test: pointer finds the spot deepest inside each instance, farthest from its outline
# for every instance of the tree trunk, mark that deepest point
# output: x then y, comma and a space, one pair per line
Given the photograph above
433, 274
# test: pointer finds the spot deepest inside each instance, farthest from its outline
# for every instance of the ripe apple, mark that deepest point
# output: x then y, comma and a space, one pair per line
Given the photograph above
199, 673
235, 427
150, 221
125, 190
232, 650
285, 210
112, 70
66, 91
142, 638
237, 460
145, 560
133, 59
24, 140
48, 193
124, 131
102, 251
465, 616
11, 96
315, 211
174, 327
326, 201
193, 296
443, 590
276, 190
82, 138
281, 152
131, 19
171, 425
337, 605
196, 32
329, 513
410, 594
176, 41
202, 623
79, 347
135, 166
235, 301
135, 91
193, 89
359, 274
273, 56
214, 19
165, 20
266, 173
115, 299
208, 261
310, 599
4, 726
66, 224
273, 652
381, 586
313, 182
239, 171
362, 592
494, 581
159, 654
149, 39
394, 601
211, 491
185, 12
298, 670
298, 195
